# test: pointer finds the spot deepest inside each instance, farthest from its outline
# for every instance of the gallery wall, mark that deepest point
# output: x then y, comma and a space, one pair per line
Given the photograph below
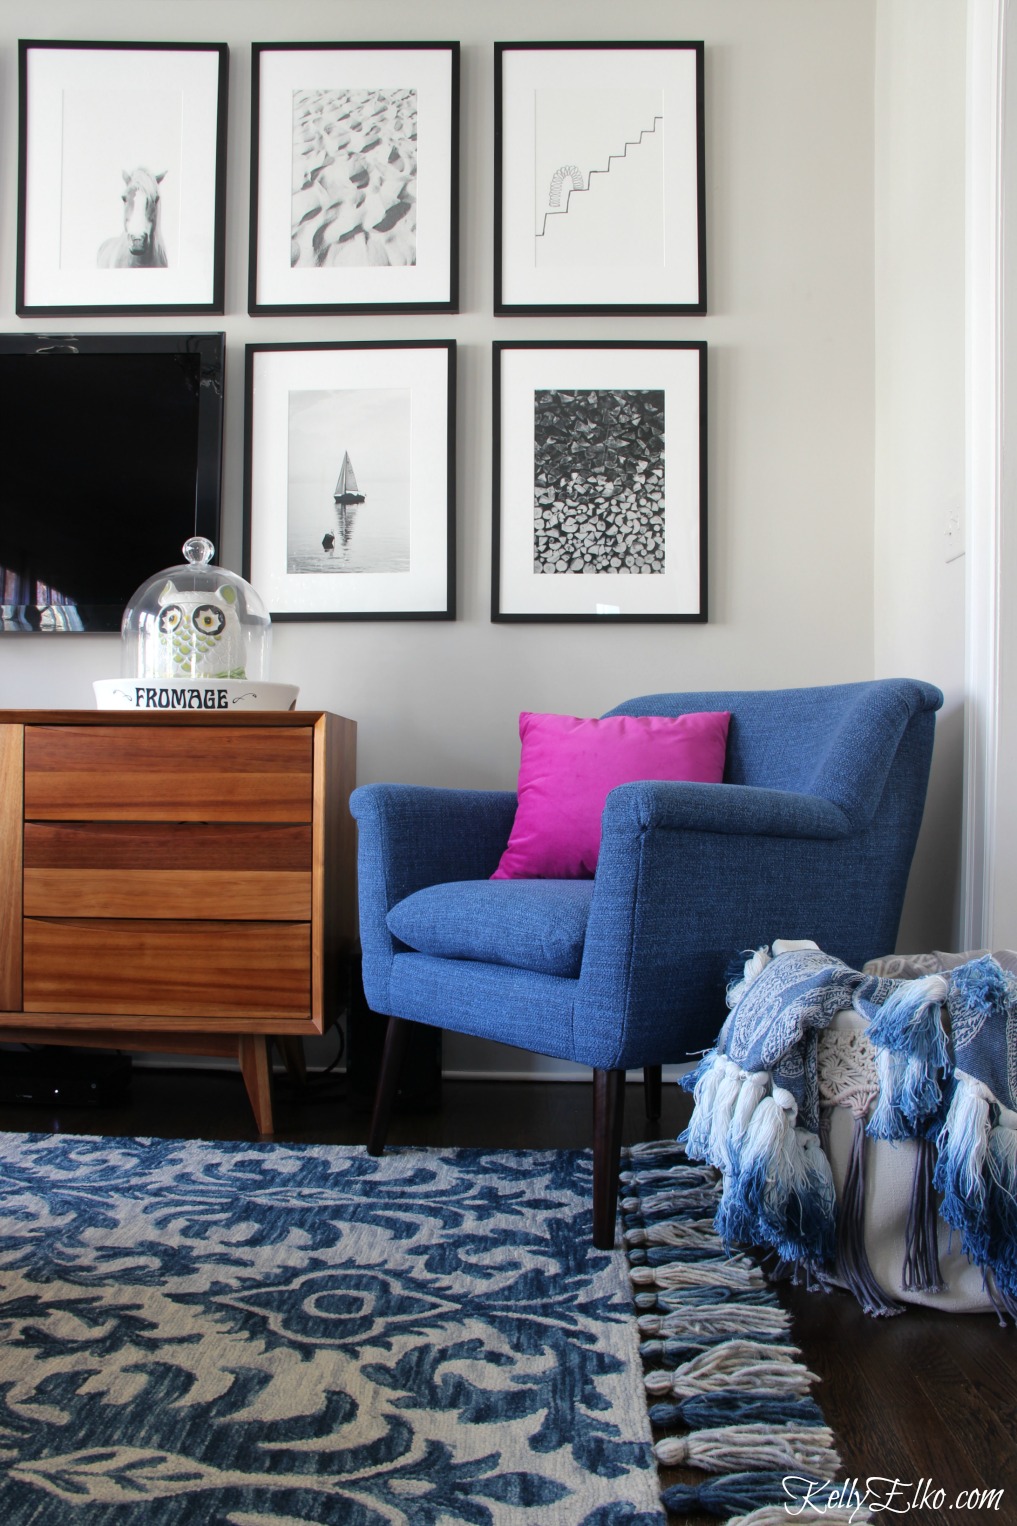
791, 330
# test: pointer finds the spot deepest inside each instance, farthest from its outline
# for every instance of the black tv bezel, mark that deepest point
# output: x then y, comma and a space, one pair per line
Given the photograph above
211, 347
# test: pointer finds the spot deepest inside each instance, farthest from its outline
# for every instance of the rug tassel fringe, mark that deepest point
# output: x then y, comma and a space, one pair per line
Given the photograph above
679, 1203
751, 1446
735, 1364
722, 1274
694, 1233
702, 1411
704, 1321
745, 1492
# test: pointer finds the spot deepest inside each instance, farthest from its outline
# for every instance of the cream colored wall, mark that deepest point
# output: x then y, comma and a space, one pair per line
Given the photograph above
803, 514
919, 603
789, 167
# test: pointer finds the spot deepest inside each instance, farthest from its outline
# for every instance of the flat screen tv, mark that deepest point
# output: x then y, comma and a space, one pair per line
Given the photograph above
110, 458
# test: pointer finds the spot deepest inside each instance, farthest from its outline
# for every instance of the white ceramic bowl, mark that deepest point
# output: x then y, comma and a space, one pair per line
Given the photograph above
220, 694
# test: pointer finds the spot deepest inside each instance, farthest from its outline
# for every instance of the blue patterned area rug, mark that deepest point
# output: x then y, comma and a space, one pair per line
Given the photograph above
265, 1335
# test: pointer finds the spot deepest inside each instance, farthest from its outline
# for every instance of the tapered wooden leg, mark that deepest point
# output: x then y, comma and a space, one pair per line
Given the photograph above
653, 1090
608, 1110
396, 1035
252, 1051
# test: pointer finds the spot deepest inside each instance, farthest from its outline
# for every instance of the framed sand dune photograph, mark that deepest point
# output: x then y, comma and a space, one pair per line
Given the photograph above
599, 178
354, 177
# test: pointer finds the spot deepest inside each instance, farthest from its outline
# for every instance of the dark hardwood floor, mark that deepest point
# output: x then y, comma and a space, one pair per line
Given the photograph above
925, 1399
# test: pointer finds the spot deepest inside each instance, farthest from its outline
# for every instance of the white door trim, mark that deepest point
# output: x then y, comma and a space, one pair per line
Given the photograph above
987, 155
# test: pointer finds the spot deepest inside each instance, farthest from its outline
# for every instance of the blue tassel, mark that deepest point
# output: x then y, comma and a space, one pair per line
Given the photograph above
786, 1186
702, 1411
671, 1353
960, 1175
738, 1493
887, 1120
978, 989
1001, 1208
910, 1021
691, 1078
671, 1255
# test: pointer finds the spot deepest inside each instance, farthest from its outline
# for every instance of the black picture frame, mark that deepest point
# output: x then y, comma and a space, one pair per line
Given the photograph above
571, 237
313, 247
376, 542
121, 211
599, 488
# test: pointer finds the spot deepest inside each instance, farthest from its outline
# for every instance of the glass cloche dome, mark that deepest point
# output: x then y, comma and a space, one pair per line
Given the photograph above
195, 621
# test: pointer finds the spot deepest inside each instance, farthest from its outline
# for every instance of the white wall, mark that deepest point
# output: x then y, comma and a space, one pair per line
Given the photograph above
791, 207
920, 389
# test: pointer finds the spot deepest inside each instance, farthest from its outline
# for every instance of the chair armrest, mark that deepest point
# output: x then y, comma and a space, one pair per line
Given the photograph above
410, 836
689, 875
414, 835
734, 809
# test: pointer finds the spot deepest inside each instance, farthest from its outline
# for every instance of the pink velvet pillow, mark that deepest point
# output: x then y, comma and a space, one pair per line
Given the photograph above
568, 765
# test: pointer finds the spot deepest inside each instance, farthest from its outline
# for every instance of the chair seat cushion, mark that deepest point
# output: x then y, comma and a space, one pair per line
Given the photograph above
537, 925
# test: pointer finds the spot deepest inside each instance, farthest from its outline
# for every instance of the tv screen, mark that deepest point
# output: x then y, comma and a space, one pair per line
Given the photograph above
110, 458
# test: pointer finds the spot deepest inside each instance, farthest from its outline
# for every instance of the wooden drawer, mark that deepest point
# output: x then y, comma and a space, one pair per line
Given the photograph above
246, 872
167, 773
192, 970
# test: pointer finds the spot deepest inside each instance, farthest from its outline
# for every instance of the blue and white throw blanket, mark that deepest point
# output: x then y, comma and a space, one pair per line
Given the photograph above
946, 1055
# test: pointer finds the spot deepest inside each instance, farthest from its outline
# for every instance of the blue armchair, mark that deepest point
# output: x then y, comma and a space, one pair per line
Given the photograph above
811, 834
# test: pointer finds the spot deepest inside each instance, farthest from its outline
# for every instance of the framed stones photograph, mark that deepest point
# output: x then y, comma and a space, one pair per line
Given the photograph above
599, 178
121, 177
349, 488
354, 178
599, 493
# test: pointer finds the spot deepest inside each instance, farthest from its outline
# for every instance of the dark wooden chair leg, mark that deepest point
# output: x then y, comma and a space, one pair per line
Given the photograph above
653, 1090
608, 1111
396, 1035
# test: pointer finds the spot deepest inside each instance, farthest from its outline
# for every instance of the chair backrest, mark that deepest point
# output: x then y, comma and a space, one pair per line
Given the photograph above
839, 742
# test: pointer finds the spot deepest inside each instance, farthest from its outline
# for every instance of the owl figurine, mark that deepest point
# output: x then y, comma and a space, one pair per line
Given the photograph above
198, 634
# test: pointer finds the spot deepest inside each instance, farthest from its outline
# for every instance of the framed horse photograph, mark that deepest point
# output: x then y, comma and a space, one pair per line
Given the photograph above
121, 177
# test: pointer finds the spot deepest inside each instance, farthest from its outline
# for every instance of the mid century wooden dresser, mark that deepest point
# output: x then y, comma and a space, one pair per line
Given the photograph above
177, 882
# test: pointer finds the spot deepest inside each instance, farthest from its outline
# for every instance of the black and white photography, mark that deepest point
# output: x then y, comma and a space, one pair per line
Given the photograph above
120, 181
121, 192
599, 193
348, 481
354, 178
598, 493
599, 483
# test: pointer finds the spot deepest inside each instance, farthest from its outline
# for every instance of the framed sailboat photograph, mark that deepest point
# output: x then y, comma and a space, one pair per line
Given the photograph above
349, 490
